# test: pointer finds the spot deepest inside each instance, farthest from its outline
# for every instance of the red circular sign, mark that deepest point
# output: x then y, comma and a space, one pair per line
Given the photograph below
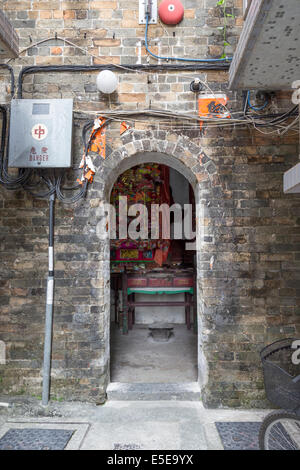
171, 11
39, 131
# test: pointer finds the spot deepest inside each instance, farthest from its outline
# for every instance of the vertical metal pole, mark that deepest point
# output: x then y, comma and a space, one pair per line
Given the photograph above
49, 308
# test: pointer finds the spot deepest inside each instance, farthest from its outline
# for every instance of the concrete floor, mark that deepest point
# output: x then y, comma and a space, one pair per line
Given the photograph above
136, 357
128, 425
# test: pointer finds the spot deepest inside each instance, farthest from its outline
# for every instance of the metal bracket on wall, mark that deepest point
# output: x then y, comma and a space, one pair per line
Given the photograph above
149, 6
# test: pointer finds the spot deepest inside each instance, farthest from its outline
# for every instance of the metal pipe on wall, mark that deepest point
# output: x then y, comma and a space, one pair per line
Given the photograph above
49, 307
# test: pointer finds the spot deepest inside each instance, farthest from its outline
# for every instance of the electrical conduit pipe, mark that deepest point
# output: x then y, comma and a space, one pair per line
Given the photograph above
49, 308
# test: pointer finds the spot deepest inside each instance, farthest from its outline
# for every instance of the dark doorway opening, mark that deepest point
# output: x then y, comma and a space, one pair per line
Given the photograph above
158, 344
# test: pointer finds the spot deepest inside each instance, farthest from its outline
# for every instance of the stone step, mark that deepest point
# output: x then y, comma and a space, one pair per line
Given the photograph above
189, 391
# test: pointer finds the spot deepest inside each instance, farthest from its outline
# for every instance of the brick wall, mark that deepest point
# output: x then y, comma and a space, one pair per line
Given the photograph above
250, 260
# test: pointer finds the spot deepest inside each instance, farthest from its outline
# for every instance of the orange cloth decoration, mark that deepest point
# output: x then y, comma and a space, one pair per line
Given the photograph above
98, 137
97, 144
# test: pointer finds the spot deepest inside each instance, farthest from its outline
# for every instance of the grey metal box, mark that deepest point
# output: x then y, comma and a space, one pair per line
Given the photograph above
40, 133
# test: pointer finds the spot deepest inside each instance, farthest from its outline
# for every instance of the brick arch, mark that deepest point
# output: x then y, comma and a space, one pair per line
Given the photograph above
170, 149
189, 159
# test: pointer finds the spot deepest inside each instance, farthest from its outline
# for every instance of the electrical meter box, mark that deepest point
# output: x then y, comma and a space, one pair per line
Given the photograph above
40, 134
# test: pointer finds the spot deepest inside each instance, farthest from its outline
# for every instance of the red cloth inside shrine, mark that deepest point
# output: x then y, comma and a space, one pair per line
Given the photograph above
145, 184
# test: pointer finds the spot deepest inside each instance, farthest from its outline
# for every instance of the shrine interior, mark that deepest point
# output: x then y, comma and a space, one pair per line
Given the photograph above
153, 285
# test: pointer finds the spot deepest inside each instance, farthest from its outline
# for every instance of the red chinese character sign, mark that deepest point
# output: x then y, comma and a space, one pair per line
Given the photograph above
39, 132
213, 106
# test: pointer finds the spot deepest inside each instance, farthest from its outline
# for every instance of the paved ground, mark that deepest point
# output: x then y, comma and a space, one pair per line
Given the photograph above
173, 425
137, 358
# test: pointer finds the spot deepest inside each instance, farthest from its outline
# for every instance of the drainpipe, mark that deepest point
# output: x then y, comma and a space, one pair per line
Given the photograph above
49, 308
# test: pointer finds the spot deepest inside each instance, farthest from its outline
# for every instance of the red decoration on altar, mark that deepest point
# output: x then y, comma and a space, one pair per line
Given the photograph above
145, 184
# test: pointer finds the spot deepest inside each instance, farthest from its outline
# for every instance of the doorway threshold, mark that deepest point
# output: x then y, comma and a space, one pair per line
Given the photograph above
189, 391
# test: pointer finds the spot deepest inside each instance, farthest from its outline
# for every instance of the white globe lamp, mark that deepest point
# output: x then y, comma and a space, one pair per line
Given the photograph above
107, 81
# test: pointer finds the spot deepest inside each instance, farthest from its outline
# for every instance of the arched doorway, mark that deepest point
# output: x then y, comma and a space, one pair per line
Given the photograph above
188, 159
154, 341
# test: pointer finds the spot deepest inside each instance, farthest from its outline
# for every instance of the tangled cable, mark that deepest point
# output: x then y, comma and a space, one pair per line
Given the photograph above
31, 179
5, 178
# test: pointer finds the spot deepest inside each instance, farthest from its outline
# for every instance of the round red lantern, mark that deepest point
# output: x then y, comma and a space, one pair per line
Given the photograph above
171, 11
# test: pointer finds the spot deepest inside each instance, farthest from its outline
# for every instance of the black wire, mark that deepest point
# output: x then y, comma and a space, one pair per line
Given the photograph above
5, 178
3, 111
87, 126
80, 195
89, 68
278, 118
86, 143
55, 185
291, 112
25, 178
151, 67
28, 186
71, 188
245, 102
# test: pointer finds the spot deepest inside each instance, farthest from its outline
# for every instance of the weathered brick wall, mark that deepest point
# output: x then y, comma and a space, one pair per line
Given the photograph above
110, 29
256, 243
249, 267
